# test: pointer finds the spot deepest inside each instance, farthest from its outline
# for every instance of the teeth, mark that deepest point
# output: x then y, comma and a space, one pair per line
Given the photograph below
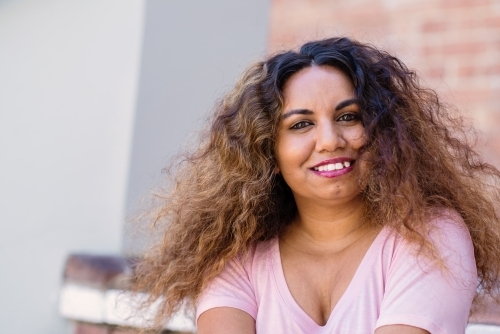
330, 167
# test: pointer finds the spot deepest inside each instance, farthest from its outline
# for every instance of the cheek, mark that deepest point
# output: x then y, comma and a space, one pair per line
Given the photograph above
356, 137
291, 152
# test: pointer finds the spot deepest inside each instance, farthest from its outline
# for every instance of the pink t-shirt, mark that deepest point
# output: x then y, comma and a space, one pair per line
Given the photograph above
392, 285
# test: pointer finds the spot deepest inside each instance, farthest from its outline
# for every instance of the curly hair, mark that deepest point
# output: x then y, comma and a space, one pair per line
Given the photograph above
225, 195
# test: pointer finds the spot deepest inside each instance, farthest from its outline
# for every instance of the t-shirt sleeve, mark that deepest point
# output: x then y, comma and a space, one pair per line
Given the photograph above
231, 288
420, 293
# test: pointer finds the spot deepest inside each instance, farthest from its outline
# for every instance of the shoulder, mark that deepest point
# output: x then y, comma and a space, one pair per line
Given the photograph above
449, 236
256, 258
431, 291
447, 247
444, 233
237, 285
248, 266
444, 221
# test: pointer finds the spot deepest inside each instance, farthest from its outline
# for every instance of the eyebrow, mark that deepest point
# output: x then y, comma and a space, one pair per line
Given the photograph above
346, 103
297, 112
339, 106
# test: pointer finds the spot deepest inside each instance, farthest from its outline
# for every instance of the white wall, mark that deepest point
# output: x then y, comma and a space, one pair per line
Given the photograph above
68, 77
193, 52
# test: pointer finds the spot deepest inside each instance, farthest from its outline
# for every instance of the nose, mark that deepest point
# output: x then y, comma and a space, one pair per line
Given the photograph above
329, 137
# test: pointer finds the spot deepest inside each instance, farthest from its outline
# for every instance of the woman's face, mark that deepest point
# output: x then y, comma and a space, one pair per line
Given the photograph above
319, 136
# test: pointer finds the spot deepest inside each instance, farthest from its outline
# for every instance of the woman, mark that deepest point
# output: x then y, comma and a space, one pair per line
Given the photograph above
331, 194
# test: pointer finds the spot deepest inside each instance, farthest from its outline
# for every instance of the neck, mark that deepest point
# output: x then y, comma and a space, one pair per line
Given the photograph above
327, 227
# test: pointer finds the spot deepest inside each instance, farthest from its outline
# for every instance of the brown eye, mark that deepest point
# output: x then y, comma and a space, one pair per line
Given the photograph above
348, 117
300, 125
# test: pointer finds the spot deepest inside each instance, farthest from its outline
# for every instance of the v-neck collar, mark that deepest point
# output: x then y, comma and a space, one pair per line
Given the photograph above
357, 280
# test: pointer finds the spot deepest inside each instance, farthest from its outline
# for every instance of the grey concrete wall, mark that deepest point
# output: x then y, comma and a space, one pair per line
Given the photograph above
68, 80
193, 52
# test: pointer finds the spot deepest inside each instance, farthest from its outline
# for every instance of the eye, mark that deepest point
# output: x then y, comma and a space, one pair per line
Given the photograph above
348, 117
300, 125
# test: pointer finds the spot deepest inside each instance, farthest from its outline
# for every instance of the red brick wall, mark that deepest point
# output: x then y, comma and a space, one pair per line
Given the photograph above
453, 44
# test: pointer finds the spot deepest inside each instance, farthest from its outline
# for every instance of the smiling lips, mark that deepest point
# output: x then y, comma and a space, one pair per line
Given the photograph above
333, 168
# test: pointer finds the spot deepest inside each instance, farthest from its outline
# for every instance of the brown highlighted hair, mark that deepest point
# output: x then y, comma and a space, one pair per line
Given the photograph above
225, 195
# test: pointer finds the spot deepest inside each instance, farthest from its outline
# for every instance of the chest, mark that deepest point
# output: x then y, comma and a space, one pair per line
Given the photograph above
318, 283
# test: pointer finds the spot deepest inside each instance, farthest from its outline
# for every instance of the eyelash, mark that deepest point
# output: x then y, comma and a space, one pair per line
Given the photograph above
300, 125
350, 117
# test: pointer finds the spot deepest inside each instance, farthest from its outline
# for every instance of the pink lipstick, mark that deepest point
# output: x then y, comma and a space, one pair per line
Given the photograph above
333, 167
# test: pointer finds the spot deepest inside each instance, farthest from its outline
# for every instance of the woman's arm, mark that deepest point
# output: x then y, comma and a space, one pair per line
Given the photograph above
400, 329
227, 320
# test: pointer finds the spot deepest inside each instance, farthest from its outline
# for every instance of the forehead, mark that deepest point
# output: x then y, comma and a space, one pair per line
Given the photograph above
317, 83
